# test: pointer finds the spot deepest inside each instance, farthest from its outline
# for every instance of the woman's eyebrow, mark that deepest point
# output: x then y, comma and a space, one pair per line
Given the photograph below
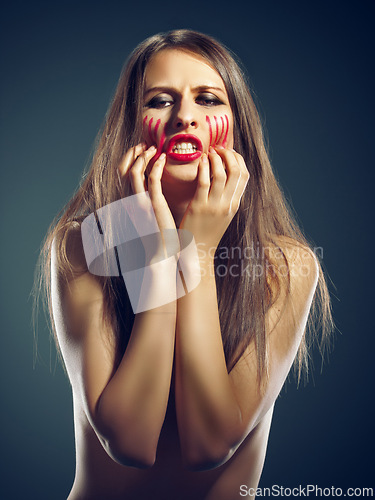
199, 88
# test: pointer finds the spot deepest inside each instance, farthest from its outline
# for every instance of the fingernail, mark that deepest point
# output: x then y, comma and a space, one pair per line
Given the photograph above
219, 146
162, 156
212, 150
204, 158
152, 148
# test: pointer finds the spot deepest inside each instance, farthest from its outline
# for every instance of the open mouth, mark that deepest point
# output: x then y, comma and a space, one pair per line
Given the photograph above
184, 147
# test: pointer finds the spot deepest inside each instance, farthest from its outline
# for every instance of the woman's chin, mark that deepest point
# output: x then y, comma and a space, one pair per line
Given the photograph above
180, 172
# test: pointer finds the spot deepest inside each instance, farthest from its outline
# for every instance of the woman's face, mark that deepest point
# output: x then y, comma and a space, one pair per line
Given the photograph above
186, 110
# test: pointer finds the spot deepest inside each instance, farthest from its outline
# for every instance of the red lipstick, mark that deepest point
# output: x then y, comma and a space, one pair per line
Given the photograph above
178, 144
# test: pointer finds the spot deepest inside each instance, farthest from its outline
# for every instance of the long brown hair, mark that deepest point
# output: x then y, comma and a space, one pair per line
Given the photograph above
262, 218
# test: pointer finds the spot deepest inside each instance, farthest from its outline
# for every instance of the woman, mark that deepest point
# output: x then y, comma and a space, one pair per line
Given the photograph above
176, 401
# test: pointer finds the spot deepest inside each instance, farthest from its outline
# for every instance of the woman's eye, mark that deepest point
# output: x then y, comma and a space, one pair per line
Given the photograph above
159, 102
208, 100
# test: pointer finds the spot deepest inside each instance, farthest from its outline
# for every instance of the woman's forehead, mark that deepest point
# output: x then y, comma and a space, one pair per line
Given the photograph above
172, 67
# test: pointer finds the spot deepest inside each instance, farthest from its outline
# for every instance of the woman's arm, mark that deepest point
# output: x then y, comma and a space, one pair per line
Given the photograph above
126, 407
209, 416
216, 411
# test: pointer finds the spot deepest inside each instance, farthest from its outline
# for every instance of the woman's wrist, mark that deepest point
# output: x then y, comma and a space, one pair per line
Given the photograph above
155, 287
206, 255
196, 270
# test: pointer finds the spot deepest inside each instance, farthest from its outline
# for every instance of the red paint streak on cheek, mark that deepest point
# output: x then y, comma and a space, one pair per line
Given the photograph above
226, 131
217, 130
156, 131
210, 128
222, 129
162, 140
150, 130
144, 127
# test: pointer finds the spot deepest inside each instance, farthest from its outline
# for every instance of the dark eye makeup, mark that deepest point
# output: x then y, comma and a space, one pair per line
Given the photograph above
205, 99
159, 102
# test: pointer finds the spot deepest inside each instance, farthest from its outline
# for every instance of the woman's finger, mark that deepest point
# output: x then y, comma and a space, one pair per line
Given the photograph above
242, 182
218, 176
137, 171
129, 158
159, 203
168, 234
154, 180
233, 174
203, 180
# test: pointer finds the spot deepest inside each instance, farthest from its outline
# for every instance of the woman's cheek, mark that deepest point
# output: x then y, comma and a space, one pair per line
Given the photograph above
218, 128
154, 132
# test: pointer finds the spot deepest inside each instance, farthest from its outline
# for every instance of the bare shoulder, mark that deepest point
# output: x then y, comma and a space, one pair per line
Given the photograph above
296, 261
75, 291
297, 269
67, 250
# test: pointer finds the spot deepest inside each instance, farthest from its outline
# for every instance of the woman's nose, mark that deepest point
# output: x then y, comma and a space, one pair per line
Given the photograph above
185, 116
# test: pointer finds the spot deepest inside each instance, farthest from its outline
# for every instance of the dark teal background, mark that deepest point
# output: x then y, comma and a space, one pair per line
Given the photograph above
311, 67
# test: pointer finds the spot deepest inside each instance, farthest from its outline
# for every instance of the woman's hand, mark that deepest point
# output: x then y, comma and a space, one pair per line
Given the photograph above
222, 178
134, 165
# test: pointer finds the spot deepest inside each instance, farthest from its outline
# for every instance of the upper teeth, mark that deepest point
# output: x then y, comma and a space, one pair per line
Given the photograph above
184, 147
